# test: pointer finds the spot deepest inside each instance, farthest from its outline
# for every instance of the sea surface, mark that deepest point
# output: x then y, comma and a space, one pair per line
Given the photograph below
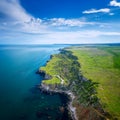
20, 99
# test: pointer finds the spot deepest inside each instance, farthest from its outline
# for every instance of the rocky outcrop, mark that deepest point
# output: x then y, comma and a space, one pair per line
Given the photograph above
48, 89
61, 90
44, 74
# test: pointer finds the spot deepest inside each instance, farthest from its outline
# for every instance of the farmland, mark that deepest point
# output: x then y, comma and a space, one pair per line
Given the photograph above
102, 64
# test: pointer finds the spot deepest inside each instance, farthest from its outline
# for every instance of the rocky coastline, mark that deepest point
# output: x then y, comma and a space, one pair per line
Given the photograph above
61, 75
58, 89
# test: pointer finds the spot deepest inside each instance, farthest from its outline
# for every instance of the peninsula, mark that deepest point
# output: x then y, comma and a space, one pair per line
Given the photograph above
66, 72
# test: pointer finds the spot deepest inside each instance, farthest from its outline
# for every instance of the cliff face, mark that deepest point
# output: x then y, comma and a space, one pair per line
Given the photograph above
62, 75
50, 87
44, 75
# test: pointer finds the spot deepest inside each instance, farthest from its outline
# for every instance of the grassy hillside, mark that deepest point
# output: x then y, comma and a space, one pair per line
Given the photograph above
64, 70
102, 65
50, 69
60, 67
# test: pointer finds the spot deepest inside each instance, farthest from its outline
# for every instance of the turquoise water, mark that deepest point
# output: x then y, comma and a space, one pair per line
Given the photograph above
19, 97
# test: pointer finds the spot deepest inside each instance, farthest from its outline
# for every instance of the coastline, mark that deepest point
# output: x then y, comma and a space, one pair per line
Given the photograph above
50, 85
46, 89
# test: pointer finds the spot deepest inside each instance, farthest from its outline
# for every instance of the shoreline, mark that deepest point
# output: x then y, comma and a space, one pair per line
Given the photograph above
68, 94
46, 88
77, 111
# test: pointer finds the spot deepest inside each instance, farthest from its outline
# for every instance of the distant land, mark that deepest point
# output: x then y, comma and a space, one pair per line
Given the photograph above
62, 44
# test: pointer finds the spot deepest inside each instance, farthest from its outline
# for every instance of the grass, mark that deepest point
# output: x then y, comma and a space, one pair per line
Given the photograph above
63, 65
102, 65
54, 80
51, 70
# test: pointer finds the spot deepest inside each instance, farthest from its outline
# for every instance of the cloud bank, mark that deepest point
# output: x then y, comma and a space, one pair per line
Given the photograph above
18, 18
14, 10
17, 23
115, 3
103, 10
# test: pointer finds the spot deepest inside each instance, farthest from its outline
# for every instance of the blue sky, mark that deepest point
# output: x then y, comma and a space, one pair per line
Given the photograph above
59, 21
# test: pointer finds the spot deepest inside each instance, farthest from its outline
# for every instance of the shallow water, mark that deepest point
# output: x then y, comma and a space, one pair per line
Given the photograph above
20, 99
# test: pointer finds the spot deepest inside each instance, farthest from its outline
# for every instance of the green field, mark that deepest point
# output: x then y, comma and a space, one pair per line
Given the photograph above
51, 70
59, 69
102, 64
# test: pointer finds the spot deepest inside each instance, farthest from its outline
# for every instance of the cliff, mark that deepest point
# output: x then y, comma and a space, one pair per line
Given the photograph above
62, 74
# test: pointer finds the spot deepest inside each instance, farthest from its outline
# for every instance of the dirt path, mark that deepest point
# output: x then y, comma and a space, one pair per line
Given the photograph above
62, 81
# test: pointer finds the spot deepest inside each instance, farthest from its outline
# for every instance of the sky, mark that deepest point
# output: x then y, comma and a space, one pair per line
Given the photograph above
59, 21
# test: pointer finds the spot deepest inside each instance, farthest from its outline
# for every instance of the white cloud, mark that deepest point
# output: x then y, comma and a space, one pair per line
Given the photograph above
78, 36
75, 36
18, 19
65, 24
115, 3
69, 22
81, 34
19, 22
13, 10
33, 26
103, 10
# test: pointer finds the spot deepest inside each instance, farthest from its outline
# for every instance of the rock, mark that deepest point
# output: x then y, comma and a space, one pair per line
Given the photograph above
43, 74
47, 61
37, 72
47, 77
49, 117
51, 56
62, 109
39, 114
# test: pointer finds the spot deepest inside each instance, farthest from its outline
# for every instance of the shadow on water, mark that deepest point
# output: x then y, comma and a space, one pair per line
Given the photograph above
41, 105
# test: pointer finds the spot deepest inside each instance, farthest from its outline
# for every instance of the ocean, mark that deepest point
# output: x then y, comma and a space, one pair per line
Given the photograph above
20, 99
